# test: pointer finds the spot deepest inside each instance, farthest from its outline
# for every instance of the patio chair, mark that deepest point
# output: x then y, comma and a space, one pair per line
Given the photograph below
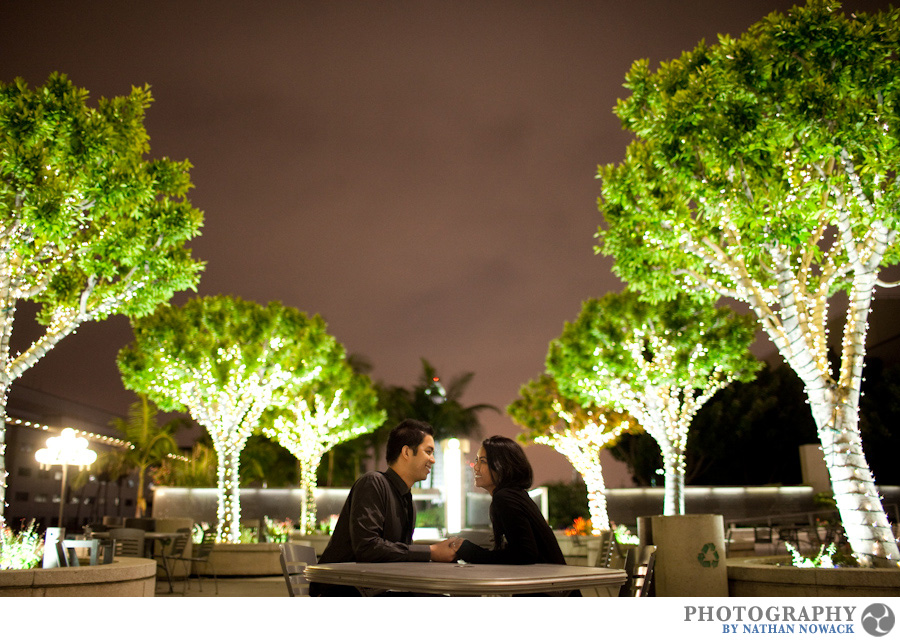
147, 524
294, 559
174, 552
128, 542
200, 555
605, 552
68, 557
639, 570
644, 575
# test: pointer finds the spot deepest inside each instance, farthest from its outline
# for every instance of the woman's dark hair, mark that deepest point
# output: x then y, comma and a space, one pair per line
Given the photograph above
508, 464
408, 433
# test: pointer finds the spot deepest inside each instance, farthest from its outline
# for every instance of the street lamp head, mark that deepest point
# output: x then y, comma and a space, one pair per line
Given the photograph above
67, 448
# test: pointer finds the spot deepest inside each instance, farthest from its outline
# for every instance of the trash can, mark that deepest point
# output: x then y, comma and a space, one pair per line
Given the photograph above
690, 555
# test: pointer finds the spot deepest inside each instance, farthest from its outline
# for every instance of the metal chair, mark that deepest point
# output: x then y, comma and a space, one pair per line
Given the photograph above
128, 542
294, 559
200, 555
605, 552
174, 552
640, 571
68, 557
643, 578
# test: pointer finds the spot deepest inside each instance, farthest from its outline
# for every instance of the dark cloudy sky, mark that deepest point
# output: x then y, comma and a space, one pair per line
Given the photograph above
420, 173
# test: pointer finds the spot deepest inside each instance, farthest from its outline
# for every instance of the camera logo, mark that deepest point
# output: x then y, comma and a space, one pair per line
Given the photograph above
878, 620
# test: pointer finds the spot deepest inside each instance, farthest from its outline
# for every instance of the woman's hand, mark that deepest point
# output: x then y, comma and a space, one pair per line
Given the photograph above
444, 551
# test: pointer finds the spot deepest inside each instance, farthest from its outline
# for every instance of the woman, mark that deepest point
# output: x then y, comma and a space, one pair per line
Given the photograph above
521, 535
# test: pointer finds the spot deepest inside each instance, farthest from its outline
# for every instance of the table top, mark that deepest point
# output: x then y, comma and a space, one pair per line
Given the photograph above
464, 579
148, 535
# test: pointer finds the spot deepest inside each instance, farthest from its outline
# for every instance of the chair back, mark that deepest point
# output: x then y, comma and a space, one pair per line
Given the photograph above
68, 556
641, 573
175, 547
646, 588
605, 552
128, 542
294, 559
147, 524
205, 546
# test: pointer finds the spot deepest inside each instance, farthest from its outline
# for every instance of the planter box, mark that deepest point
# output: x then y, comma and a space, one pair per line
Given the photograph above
761, 577
229, 559
317, 541
130, 577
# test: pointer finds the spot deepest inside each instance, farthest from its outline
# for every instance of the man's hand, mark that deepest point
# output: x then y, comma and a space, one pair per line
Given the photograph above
445, 551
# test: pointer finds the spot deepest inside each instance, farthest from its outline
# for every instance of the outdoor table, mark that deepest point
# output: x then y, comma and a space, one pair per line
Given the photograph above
150, 539
467, 579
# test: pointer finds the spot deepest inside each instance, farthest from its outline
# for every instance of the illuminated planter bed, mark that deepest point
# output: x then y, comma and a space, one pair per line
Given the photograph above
761, 577
129, 577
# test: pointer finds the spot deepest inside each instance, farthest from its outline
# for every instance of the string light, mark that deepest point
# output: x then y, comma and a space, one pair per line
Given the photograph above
309, 431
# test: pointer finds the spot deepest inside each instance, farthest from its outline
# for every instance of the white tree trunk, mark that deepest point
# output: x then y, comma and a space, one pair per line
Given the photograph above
835, 410
309, 465
228, 512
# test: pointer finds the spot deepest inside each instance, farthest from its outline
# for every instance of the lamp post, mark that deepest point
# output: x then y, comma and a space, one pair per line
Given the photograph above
65, 449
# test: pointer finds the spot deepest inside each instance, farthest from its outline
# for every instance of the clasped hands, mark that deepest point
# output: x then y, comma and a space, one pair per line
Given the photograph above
445, 551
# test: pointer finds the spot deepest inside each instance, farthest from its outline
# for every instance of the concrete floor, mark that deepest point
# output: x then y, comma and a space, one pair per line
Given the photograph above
265, 587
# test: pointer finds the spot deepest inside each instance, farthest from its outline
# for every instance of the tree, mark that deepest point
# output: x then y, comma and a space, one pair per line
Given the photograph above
767, 420
430, 401
88, 226
580, 433
265, 463
196, 470
149, 444
340, 405
657, 362
441, 406
224, 360
765, 171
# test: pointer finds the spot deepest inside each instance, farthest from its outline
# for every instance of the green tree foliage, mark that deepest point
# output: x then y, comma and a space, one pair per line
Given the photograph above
338, 405
577, 431
264, 463
150, 443
432, 402
197, 469
764, 170
224, 360
568, 501
89, 227
657, 362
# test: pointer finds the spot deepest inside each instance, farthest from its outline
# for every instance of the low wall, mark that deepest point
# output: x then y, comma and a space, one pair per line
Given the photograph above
257, 559
760, 577
129, 577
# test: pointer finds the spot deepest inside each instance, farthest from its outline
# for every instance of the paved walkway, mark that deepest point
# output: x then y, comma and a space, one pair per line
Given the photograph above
267, 587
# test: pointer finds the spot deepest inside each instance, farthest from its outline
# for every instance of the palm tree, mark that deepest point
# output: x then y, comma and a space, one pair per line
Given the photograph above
432, 402
151, 443
441, 406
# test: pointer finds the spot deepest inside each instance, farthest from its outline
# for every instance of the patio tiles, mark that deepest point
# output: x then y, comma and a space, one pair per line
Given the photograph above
266, 587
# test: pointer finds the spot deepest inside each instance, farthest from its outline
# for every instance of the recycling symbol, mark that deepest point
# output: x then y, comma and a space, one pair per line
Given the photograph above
708, 556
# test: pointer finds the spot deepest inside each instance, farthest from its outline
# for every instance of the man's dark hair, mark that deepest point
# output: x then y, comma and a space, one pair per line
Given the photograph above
408, 433
508, 463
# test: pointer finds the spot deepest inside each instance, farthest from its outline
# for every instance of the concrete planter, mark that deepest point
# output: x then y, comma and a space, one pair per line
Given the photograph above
317, 541
574, 548
761, 577
229, 559
129, 577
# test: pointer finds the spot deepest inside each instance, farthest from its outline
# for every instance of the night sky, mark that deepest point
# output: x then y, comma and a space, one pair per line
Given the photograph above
421, 174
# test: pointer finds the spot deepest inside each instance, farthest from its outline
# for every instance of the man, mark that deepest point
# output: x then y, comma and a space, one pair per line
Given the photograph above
377, 521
